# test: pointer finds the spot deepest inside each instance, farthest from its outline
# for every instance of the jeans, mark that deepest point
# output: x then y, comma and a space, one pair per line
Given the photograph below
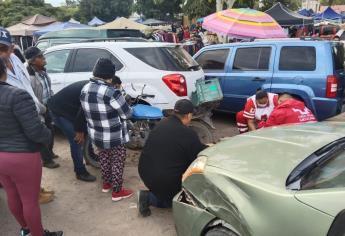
67, 128
154, 201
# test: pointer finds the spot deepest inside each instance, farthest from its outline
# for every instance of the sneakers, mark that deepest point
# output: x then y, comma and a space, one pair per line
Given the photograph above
143, 203
106, 188
51, 165
86, 177
57, 233
43, 190
45, 198
24, 232
124, 193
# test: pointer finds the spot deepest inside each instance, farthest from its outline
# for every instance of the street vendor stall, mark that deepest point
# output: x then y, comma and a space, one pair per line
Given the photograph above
123, 23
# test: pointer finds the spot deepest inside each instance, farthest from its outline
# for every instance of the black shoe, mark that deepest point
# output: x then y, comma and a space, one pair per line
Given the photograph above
143, 203
24, 232
55, 156
51, 165
87, 177
57, 233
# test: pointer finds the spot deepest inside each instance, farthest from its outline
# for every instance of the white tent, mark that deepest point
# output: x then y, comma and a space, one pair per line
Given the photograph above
74, 21
96, 22
123, 23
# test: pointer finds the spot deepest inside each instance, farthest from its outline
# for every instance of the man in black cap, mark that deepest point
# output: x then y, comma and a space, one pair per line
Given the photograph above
41, 85
171, 147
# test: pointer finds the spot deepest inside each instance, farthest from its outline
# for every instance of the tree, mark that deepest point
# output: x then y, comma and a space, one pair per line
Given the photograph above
199, 8
291, 4
104, 9
159, 9
332, 2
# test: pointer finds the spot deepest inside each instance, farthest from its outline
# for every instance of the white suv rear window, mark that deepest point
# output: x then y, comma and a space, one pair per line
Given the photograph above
165, 58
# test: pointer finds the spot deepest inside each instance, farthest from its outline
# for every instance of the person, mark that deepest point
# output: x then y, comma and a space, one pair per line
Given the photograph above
106, 113
258, 108
41, 85
17, 75
170, 148
289, 111
22, 133
68, 116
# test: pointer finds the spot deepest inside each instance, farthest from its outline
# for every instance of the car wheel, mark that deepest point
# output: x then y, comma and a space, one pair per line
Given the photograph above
220, 231
204, 132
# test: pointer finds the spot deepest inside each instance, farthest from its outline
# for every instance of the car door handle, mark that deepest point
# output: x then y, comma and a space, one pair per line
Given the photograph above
258, 79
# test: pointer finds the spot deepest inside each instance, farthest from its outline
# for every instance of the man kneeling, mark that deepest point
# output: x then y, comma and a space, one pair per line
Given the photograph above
171, 147
289, 111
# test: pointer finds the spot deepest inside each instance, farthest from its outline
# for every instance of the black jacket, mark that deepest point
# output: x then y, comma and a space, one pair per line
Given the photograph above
171, 147
66, 103
21, 129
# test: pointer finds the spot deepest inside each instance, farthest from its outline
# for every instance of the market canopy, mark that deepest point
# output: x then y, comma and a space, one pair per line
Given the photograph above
72, 20
96, 22
305, 12
21, 29
243, 23
38, 20
58, 26
328, 14
286, 17
123, 23
153, 22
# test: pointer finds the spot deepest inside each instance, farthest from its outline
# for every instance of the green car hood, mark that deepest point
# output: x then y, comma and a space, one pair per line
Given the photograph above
267, 156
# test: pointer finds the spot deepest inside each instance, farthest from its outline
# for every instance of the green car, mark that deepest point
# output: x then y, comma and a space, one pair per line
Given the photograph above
283, 181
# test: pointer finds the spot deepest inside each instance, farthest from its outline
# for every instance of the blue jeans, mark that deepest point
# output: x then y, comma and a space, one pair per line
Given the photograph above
154, 201
67, 128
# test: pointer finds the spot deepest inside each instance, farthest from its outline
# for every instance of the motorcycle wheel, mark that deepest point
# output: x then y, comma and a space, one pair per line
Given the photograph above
203, 130
89, 155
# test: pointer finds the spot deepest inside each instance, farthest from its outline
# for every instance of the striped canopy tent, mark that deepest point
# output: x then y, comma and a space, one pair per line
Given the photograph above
243, 23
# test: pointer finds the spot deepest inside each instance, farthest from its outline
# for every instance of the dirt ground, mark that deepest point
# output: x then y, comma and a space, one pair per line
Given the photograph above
82, 209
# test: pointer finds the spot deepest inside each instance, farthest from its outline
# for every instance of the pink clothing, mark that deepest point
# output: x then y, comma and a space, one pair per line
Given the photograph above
20, 175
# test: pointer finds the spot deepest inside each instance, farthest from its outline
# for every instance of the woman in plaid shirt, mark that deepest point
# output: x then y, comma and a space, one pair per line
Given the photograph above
106, 111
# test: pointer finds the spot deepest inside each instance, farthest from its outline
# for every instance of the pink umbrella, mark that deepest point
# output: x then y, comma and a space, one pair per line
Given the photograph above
243, 23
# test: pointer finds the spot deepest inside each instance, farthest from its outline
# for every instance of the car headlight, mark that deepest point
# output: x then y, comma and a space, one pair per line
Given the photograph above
197, 167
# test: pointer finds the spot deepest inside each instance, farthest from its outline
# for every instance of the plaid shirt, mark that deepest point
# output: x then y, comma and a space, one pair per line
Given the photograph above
106, 111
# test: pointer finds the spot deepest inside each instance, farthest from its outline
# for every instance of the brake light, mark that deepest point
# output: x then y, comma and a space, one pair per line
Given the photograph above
177, 84
332, 86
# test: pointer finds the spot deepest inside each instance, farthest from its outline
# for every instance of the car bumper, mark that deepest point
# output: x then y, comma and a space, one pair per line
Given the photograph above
190, 220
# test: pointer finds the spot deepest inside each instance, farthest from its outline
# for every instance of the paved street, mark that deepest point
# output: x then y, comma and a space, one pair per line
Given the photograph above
81, 209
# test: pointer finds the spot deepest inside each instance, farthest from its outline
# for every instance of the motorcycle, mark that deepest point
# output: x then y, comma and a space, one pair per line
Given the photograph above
143, 120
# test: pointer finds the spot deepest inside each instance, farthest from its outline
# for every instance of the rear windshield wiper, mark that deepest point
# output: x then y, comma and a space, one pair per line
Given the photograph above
195, 67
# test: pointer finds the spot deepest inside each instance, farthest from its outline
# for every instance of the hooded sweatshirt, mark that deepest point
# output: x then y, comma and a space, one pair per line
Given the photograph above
291, 111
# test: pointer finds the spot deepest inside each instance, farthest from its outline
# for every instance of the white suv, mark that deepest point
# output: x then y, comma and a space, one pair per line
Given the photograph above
164, 70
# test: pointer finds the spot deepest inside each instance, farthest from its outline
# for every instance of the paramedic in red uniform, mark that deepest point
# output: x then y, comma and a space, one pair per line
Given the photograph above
257, 109
289, 111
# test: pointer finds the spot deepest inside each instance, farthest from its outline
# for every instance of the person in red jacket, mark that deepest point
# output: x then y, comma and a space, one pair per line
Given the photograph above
289, 111
258, 108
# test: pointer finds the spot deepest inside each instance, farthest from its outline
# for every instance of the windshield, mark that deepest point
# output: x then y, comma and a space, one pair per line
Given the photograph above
329, 174
165, 58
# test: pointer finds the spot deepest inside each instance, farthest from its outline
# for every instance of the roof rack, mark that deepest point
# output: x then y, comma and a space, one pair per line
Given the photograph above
117, 39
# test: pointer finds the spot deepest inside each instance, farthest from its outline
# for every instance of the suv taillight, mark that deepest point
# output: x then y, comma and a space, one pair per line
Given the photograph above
332, 86
177, 84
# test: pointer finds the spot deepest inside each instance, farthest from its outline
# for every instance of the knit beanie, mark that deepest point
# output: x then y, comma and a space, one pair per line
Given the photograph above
104, 69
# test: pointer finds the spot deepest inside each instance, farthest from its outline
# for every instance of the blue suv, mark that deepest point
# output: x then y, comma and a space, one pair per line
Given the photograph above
311, 70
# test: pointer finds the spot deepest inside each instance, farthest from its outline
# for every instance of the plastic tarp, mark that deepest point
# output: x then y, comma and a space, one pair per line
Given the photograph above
328, 14
123, 23
96, 22
59, 26
286, 17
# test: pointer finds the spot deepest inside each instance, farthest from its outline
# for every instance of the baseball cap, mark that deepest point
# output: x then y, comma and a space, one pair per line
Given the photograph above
5, 37
32, 52
183, 107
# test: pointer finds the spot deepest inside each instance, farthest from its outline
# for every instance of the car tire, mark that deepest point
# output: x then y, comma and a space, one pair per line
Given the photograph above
89, 155
204, 132
220, 231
